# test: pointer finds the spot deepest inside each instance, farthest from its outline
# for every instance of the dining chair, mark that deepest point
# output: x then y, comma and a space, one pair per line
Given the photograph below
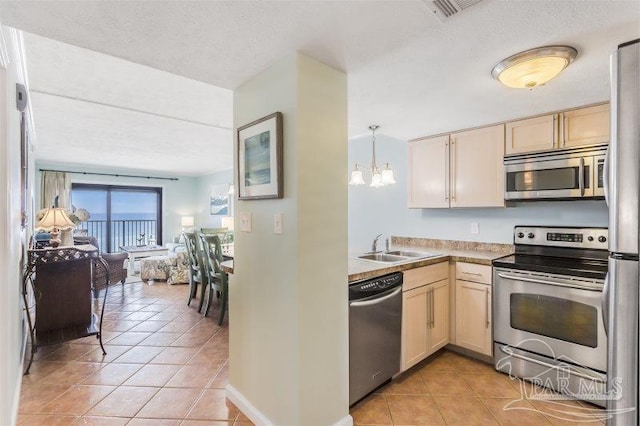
218, 279
196, 275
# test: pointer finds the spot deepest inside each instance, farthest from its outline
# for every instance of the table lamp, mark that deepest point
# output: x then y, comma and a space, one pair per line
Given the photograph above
55, 220
227, 222
187, 222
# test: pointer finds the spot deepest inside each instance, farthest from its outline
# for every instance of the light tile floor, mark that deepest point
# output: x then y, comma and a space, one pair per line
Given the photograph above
453, 389
167, 365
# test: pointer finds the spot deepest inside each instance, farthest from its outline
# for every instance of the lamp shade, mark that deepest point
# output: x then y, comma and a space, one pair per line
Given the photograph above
356, 176
187, 221
55, 218
227, 222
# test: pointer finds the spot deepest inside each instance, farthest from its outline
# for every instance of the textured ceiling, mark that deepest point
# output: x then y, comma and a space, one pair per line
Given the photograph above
408, 72
94, 109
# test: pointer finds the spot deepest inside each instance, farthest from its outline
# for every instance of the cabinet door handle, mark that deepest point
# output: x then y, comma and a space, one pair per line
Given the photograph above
433, 307
452, 155
446, 171
487, 306
429, 308
554, 142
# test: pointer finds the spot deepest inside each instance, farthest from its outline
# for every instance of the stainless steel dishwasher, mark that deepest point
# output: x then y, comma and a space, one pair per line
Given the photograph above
375, 320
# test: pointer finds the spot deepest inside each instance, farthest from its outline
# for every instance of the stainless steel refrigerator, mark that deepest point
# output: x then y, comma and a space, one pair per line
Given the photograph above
621, 297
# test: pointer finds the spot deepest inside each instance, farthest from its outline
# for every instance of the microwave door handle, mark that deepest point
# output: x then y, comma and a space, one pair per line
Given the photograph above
581, 176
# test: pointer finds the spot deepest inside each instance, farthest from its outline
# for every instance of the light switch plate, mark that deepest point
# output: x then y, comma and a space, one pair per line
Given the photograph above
475, 228
245, 221
277, 223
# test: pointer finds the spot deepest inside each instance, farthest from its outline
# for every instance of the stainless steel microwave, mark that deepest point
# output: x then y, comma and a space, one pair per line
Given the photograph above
568, 174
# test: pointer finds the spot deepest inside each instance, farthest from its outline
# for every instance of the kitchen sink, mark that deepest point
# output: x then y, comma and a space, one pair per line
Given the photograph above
396, 256
382, 257
410, 253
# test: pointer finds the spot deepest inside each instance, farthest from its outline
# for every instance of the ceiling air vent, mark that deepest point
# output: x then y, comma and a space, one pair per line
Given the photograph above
443, 9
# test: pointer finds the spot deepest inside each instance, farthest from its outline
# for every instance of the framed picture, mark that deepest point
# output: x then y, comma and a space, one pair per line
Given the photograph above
219, 200
260, 159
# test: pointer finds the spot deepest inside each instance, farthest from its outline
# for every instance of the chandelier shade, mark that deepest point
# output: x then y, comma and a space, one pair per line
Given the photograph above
379, 177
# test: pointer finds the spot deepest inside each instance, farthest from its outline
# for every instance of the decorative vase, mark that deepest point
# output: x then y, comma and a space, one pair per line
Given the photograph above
66, 237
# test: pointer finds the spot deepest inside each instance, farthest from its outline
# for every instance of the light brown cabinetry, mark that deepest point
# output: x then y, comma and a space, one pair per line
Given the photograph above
463, 169
477, 171
425, 313
532, 134
473, 307
578, 127
429, 173
585, 126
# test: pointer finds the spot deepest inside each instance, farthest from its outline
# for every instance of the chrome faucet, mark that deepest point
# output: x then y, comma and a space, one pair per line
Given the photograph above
374, 245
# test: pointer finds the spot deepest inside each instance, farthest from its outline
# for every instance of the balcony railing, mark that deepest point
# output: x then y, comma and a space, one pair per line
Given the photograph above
122, 232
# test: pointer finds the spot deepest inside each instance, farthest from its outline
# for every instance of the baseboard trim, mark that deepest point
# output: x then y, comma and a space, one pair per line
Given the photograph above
256, 415
345, 421
247, 407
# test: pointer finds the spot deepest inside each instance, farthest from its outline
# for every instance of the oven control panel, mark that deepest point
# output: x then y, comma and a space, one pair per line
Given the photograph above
586, 238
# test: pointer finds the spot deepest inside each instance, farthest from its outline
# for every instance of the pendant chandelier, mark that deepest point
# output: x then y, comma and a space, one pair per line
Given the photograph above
378, 177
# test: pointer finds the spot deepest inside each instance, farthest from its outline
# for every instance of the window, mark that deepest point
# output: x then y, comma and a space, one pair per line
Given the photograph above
120, 215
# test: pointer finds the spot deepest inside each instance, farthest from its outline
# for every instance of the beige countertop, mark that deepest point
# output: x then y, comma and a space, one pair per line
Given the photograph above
457, 251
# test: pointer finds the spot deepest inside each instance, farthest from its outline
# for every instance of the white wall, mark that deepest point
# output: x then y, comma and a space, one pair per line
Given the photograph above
178, 197
12, 237
384, 210
288, 352
204, 218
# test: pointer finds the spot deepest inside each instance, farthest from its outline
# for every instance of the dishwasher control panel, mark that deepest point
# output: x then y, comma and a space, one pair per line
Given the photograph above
374, 286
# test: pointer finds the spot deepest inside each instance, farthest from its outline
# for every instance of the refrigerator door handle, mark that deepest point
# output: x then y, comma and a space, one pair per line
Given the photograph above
605, 177
605, 305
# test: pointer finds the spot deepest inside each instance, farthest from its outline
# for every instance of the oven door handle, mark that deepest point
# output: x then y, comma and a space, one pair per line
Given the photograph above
505, 350
584, 286
605, 305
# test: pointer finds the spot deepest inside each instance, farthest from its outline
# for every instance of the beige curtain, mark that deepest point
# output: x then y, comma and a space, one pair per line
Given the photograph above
55, 184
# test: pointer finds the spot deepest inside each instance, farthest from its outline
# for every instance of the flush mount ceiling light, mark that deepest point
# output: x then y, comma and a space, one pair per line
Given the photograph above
534, 67
378, 177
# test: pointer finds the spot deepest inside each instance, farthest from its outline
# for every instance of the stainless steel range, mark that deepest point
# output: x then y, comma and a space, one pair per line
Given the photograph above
547, 299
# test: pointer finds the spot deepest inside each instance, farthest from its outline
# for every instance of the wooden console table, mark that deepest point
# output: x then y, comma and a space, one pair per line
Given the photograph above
62, 284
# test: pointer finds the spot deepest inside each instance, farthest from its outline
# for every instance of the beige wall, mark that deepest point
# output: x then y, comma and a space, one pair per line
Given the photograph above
11, 235
288, 296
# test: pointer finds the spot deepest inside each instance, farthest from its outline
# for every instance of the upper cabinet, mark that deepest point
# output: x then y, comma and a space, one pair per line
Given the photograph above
578, 127
585, 126
429, 173
459, 170
532, 134
477, 171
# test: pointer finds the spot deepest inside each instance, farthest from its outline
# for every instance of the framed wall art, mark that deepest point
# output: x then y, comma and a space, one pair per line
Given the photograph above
260, 159
219, 200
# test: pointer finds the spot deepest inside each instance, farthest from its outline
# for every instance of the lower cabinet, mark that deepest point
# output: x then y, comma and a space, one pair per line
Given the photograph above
414, 326
438, 327
425, 321
473, 316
